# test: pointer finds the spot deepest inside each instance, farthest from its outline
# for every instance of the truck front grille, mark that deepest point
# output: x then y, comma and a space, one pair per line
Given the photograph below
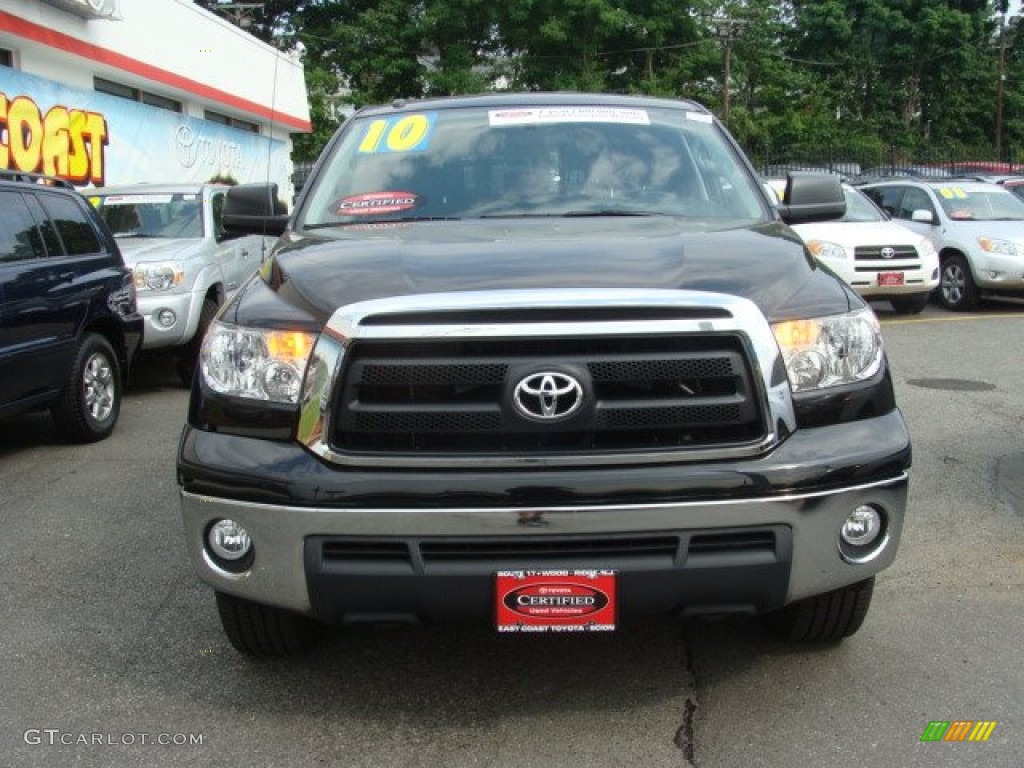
455, 398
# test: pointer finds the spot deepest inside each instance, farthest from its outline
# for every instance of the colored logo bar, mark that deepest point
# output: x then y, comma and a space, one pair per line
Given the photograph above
958, 730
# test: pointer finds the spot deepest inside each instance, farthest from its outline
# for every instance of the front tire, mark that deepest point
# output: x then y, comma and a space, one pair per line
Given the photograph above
91, 401
957, 289
262, 630
913, 304
826, 618
188, 356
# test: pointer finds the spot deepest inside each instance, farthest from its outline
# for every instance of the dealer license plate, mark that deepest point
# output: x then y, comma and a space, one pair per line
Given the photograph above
888, 279
555, 601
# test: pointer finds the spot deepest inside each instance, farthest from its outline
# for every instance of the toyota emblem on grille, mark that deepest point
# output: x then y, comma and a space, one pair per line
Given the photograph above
548, 395
888, 253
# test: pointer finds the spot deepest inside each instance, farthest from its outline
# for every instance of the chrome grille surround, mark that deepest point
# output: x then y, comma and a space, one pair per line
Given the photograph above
662, 312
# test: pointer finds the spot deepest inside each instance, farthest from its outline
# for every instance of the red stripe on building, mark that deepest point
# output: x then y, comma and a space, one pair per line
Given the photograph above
53, 39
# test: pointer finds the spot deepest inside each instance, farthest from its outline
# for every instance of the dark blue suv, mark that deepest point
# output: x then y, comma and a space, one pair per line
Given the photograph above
69, 326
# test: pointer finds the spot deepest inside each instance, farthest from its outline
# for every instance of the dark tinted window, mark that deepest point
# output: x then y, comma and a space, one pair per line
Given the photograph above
915, 200
19, 237
217, 206
75, 230
886, 198
50, 239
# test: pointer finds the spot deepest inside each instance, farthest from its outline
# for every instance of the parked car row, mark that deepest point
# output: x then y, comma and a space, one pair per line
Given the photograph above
873, 254
976, 227
971, 228
85, 287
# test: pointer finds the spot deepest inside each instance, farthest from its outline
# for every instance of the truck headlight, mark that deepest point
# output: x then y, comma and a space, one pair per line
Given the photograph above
823, 249
830, 351
158, 276
255, 363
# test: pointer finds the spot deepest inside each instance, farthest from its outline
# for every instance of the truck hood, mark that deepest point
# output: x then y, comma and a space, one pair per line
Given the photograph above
321, 271
136, 249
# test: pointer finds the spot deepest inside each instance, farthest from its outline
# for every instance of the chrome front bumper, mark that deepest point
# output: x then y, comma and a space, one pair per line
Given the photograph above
278, 574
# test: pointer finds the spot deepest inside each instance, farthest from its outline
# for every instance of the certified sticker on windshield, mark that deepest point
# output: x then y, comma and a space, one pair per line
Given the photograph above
555, 601
376, 203
541, 115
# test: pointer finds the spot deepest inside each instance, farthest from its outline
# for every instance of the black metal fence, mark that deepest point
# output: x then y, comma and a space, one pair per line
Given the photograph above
865, 160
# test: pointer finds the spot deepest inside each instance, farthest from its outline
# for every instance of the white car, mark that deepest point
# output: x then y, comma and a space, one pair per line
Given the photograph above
185, 265
874, 255
977, 227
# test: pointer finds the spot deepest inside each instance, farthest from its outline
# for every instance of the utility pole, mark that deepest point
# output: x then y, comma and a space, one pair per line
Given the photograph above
727, 29
1000, 84
240, 14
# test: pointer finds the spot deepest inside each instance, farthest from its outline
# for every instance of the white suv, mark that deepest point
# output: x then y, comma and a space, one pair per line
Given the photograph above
874, 255
977, 228
185, 265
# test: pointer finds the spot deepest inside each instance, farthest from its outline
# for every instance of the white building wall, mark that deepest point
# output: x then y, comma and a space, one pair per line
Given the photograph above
172, 48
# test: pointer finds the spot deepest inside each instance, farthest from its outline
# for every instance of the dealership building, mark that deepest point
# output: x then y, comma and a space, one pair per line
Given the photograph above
104, 92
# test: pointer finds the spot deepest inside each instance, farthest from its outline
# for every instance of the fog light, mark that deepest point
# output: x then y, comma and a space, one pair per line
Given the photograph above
166, 317
862, 527
228, 540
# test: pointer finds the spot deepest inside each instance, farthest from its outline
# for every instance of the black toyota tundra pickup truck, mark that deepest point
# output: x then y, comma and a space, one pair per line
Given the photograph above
546, 362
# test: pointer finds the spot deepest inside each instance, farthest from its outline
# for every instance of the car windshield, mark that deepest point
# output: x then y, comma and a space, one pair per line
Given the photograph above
859, 207
164, 215
976, 203
530, 162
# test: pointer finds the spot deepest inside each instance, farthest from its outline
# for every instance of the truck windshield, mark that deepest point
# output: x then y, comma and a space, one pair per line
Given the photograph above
174, 216
534, 161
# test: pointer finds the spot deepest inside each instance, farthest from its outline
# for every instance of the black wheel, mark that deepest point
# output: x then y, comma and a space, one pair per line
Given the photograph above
957, 290
91, 400
188, 356
262, 630
910, 305
826, 618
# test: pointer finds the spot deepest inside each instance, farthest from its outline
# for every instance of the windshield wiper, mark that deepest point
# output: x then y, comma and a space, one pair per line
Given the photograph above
574, 214
402, 220
612, 212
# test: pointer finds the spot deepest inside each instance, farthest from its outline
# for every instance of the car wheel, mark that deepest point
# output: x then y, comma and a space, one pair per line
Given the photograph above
824, 618
909, 305
262, 630
91, 400
188, 356
957, 290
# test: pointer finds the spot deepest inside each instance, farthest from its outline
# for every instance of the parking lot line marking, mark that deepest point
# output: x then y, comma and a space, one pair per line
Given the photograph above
950, 318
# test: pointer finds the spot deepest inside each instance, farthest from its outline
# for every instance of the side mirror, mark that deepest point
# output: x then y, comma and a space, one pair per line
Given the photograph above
812, 197
253, 209
924, 215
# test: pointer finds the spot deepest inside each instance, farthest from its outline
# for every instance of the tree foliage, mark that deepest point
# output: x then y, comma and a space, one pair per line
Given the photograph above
899, 75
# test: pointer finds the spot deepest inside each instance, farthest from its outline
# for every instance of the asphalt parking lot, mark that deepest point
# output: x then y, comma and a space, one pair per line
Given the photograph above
111, 646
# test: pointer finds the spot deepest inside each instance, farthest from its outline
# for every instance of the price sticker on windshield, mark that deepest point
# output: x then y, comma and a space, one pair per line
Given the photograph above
409, 133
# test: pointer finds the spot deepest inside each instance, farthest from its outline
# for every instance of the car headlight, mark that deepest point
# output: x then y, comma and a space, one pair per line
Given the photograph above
255, 363
997, 245
823, 249
830, 351
926, 249
158, 276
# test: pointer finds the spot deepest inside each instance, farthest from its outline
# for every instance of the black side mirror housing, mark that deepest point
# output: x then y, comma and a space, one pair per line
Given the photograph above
811, 196
253, 209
